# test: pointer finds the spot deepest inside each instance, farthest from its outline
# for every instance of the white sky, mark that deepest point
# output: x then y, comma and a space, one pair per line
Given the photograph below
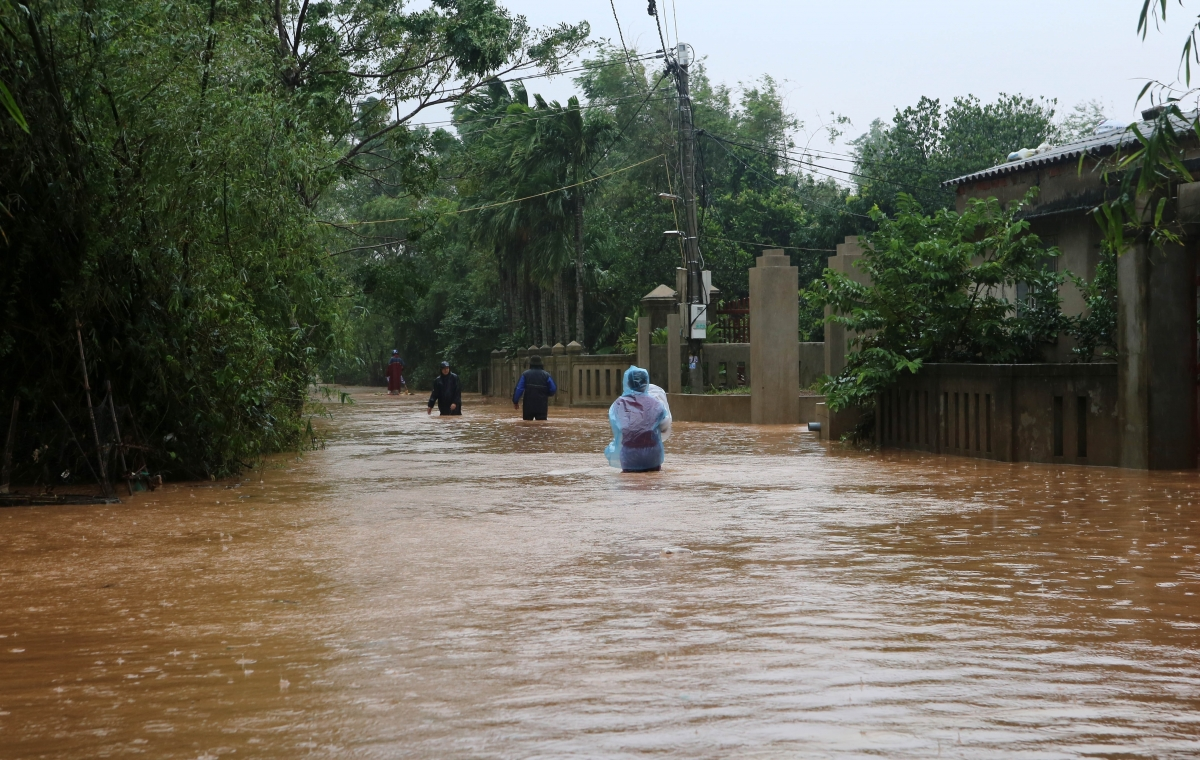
864, 58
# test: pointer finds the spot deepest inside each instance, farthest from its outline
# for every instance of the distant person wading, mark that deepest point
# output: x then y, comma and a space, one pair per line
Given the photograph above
395, 375
447, 393
537, 386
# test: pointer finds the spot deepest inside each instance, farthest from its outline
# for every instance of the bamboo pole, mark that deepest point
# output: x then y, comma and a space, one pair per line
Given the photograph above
75, 440
6, 471
117, 432
92, 412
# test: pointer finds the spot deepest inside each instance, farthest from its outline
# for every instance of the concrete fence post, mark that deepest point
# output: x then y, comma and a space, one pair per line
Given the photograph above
774, 341
643, 343
837, 337
674, 357
1156, 357
558, 365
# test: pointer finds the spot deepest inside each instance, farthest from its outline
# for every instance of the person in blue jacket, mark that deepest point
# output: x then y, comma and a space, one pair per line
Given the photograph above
537, 386
638, 421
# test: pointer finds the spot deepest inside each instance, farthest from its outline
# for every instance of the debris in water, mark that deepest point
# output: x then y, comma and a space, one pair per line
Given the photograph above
676, 550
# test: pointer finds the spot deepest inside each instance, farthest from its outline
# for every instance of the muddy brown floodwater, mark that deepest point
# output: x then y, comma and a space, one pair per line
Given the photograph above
479, 587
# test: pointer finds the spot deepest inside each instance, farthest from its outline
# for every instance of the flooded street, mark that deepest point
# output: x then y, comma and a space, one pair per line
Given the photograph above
480, 587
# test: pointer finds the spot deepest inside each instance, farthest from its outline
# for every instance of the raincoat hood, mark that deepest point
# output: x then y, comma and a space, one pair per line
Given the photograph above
636, 381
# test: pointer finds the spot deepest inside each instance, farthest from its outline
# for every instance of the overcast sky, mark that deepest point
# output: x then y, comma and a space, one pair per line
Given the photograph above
865, 58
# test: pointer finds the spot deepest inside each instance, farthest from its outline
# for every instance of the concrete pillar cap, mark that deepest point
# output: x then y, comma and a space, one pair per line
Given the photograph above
497, 352
774, 258
574, 347
559, 349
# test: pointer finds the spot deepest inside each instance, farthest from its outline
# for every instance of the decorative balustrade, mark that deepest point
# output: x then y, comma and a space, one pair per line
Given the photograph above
582, 379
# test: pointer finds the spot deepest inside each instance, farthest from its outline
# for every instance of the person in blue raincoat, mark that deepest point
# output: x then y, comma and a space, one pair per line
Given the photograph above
638, 421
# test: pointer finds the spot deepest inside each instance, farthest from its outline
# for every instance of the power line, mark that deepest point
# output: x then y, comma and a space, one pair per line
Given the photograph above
585, 67
803, 157
777, 184
500, 203
621, 134
771, 245
621, 34
653, 11
675, 18
826, 168
497, 117
535, 115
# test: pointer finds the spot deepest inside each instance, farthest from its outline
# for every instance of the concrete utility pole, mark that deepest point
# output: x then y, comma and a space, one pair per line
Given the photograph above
694, 310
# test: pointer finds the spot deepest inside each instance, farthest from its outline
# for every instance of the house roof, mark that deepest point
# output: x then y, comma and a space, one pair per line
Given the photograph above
1098, 145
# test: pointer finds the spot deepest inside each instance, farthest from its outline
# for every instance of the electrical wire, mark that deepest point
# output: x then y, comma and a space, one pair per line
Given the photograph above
919, 188
803, 157
585, 67
621, 34
674, 210
500, 203
536, 116
675, 18
771, 245
621, 134
777, 184
654, 12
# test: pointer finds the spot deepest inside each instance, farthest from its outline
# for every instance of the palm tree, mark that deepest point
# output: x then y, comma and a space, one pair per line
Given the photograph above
491, 124
563, 146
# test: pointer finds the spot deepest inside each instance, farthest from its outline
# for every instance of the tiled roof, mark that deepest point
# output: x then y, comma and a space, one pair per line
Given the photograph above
1098, 145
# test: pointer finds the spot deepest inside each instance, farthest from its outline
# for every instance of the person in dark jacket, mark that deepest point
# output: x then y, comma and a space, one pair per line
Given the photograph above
537, 386
447, 393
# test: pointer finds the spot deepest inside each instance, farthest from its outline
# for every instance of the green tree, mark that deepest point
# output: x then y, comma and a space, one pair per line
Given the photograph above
170, 193
561, 150
938, 293
927, 144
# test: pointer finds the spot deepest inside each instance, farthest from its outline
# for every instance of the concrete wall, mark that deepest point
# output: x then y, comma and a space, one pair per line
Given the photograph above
729, 354
659, 364
834, 425
696, 407
732, 408
1064, 413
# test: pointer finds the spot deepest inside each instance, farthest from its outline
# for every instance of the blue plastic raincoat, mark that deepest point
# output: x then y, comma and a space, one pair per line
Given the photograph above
637, 420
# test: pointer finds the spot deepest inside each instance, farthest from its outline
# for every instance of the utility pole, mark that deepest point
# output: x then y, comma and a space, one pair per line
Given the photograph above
694, 300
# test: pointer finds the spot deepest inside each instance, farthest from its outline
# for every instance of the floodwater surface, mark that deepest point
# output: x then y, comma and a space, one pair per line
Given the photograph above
481, 587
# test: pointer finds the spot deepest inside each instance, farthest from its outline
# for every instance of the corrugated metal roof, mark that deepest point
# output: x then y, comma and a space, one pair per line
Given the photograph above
1093, 146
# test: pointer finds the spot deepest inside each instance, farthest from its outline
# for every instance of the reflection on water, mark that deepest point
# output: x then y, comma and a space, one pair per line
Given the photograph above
484, 587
